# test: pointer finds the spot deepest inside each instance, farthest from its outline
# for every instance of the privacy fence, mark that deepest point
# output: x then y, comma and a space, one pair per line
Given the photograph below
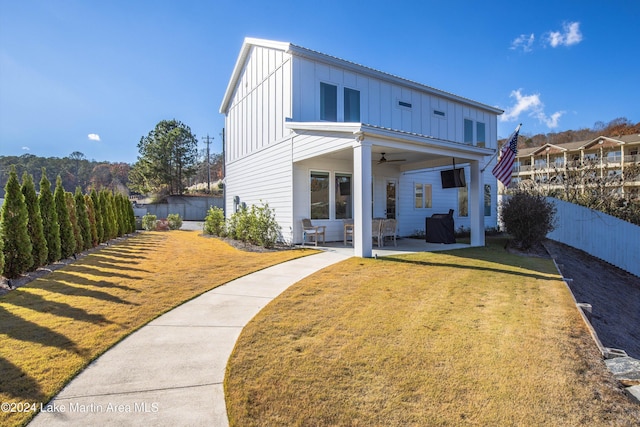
189, 208
603, 236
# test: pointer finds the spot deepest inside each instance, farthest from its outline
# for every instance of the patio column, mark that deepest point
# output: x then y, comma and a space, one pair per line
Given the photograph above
362, 215
476, 205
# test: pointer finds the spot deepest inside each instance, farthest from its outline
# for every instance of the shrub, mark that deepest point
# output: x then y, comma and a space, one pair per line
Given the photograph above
50, 226
214, 222
528, 218
67, 239
82, 215
149, 222
91, 214
257, 226
175, 222
36, 232
264, 229
14, 219
73, 219
98, 214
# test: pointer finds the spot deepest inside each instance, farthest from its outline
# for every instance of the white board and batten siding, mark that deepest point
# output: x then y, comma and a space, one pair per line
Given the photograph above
413, 219
379, 103
260, 103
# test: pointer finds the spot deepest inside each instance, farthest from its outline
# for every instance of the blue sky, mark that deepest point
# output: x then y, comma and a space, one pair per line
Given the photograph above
96, 76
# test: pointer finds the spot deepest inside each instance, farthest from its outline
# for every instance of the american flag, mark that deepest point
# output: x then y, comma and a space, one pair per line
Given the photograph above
503, 169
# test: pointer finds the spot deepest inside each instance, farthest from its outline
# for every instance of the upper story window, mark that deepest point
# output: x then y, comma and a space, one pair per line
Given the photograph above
481, 138
329, 102
351, 105
468, 131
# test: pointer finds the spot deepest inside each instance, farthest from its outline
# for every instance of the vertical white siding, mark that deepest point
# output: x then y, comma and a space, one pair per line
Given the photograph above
379, 103
413, 218
260, 104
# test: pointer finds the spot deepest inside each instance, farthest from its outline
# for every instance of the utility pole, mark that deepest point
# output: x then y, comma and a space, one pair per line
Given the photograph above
208, 140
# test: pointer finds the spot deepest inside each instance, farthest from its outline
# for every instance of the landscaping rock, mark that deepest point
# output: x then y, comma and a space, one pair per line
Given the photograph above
625, 369
634, 392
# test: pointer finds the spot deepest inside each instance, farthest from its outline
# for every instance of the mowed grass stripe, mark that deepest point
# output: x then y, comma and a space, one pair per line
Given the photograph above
470, 337
53, 327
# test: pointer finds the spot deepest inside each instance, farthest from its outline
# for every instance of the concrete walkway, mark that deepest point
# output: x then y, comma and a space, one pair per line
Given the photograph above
171, 371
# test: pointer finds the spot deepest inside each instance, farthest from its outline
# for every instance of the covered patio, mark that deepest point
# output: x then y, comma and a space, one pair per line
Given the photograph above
361, 148
405, 246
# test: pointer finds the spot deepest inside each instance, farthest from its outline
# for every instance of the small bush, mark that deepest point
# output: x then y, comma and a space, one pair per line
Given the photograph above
256, 225
175, 222
149, 222
214, 222
528, 218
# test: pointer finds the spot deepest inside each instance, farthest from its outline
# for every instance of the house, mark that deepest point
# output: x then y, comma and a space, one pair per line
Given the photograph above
609, 156
323, 138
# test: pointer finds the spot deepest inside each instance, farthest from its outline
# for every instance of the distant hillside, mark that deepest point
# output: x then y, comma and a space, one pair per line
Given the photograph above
616, 127
75, 170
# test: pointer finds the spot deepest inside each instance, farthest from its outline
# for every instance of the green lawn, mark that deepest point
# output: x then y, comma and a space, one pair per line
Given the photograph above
468, 337
53, 327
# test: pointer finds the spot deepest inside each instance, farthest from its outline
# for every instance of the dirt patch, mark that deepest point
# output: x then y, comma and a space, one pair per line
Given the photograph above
613, 293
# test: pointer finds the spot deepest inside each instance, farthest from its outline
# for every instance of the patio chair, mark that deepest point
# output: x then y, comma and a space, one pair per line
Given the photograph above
310, 230
348, 230
376, 226
388, 229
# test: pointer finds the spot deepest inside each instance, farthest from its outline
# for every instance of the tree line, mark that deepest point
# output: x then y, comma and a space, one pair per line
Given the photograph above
74, 170
40, 229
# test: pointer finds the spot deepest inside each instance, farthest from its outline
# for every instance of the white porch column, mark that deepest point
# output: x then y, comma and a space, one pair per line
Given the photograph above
476, 205
362, 216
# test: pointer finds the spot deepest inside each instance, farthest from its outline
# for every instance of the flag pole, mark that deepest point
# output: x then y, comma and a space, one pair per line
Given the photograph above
499, 150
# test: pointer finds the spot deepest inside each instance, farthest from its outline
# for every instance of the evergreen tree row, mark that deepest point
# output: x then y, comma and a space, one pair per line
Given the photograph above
36, 230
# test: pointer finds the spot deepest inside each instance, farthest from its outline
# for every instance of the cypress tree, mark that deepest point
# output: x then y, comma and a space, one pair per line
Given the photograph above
82, 215
67, 239
131, 216
97, 210
73, 219
39, 250
91, 213
15, 235
113, 221
104, 213
50, 225
122, 214
1, 246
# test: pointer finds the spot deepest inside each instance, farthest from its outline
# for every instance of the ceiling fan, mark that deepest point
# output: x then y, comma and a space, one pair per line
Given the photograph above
383, 159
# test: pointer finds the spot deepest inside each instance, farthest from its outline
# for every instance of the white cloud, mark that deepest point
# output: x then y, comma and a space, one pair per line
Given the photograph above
533, 107
569, 35
94, 137
25, 148
524, 42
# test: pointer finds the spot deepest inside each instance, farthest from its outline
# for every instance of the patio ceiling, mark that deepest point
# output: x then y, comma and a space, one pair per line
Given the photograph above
417, 151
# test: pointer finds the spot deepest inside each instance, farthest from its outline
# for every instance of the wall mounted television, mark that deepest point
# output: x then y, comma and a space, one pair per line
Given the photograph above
453, 178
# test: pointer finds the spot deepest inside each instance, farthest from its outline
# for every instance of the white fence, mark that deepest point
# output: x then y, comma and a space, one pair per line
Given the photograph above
603, 236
